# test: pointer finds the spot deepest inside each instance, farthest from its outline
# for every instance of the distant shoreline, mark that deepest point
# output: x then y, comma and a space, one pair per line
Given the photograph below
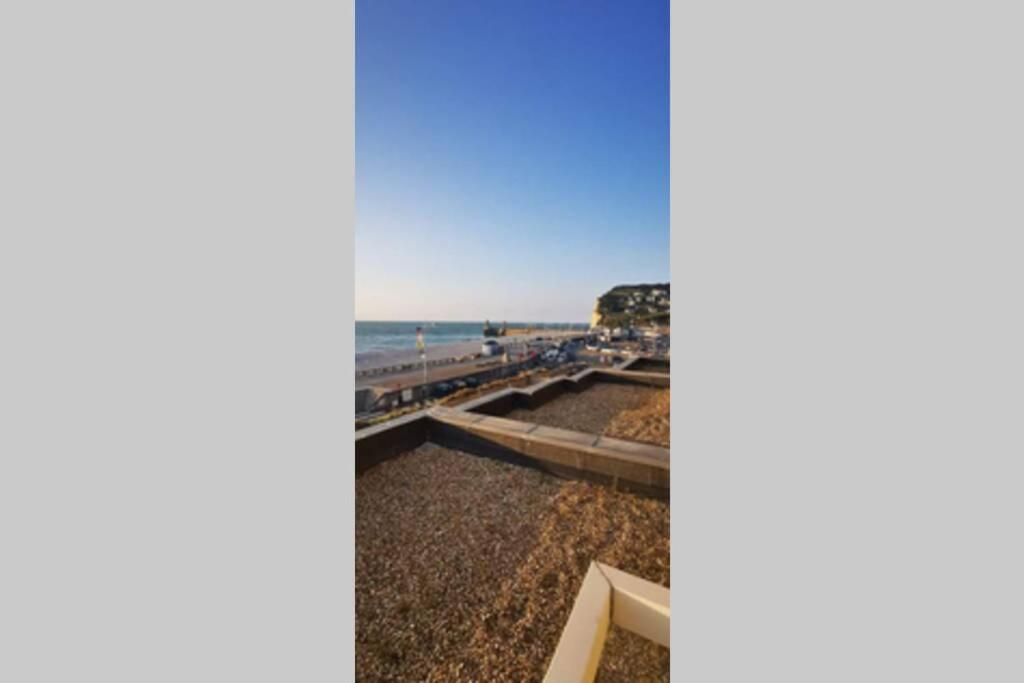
373, 338
384, 358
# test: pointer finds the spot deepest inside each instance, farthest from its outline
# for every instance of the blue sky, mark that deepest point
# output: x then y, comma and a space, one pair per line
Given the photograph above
512, 157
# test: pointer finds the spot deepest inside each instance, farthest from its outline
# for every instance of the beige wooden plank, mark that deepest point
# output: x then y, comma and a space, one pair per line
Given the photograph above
639, 605
579, 649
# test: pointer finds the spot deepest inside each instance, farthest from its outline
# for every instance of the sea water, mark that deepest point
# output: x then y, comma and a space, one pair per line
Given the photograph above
372, 336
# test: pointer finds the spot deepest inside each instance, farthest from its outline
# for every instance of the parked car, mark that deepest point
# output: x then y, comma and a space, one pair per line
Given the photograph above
441, 390
472, 382
491, 348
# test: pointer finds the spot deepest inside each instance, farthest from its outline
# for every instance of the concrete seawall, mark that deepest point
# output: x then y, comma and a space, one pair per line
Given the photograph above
477, 428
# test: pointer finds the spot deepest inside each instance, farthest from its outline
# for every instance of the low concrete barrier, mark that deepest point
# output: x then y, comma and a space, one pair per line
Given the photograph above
477, 428
382, 442
365, 398
614, 462
621, 464
398, 397
652, 379
507, 400
646, 364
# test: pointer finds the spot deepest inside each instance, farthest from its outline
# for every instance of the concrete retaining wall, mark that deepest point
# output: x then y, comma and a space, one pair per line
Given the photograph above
382, 442
498, 403
405, 367
366, 398
475, 428
612, 462
507, 400
646, 364
651, 379
390, 399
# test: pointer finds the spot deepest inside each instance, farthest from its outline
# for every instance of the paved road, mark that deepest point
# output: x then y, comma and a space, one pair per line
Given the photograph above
410, 378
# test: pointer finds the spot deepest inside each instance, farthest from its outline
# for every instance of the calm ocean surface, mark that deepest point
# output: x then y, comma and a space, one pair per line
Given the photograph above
390, 336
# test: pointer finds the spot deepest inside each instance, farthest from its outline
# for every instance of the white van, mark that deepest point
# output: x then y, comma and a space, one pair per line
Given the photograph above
491, 348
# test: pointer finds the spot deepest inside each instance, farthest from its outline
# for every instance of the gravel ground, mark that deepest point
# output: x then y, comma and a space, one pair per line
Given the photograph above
623, 411
648, 423
590, 411
629, 658
467, 568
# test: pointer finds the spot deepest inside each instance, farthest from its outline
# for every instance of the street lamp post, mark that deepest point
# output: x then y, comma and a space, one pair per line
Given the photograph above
423, 355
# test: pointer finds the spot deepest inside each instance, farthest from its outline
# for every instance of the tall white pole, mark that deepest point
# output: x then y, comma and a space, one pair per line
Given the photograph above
423, 354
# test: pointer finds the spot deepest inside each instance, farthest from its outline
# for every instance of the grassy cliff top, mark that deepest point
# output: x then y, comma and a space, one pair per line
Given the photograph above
628, 304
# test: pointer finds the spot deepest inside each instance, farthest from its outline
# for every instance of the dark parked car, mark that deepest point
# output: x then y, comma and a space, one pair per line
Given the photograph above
442, 389
472, 382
